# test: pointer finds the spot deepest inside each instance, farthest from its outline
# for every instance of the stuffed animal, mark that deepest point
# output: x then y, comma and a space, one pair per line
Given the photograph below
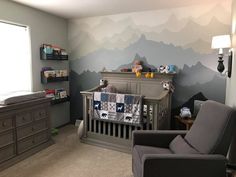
162, 69
185, 112
109, 88
167, 69
167, 85
137, 66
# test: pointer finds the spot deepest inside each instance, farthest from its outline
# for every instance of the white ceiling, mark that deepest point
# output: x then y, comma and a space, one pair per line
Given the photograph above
86, 8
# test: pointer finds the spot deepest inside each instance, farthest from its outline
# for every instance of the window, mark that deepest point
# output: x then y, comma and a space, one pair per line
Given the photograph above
15, 58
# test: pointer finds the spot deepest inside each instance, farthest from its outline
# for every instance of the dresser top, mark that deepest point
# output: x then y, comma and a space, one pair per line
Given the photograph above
25, 104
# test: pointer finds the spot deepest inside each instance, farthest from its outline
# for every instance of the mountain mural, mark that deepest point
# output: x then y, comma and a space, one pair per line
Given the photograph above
156, 53
198, 78
179, 36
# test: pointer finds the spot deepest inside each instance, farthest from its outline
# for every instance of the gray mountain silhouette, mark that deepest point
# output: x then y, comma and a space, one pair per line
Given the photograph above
196, 74
144, 61
200, 46
156, 53
213, 89
82, 82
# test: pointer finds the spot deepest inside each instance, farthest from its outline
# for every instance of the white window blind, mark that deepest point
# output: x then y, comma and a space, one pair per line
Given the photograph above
15, 58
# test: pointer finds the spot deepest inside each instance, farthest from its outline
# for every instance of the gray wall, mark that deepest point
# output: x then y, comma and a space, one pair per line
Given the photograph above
231, 84
44, 28
180, 36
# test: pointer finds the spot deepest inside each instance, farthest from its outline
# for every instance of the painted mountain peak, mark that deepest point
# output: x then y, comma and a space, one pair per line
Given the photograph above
196, 74
144, 61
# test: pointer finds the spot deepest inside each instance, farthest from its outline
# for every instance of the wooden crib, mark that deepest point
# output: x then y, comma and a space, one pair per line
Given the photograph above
114, 135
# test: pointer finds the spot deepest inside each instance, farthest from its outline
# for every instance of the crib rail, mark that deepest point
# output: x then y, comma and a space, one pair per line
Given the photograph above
117, 135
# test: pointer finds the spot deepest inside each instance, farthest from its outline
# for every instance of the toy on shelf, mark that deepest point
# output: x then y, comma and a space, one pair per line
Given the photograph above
52, 52
50, 72
167, 85
167, 69
137, 68
56, 93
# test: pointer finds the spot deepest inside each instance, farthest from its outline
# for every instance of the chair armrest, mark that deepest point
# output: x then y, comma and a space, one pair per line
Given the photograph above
158, 138
184, 165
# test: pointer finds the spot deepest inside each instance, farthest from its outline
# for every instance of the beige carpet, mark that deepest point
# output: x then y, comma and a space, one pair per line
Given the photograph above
70, 158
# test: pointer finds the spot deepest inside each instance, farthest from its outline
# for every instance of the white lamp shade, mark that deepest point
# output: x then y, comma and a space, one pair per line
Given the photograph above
220, 42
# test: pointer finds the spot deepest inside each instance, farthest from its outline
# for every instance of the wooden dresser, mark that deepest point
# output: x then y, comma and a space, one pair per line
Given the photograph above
24, 130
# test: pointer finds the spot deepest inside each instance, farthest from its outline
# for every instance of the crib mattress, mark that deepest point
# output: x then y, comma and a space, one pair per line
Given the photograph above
20, 96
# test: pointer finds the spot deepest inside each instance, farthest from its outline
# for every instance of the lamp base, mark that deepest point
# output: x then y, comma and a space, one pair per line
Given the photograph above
221, 66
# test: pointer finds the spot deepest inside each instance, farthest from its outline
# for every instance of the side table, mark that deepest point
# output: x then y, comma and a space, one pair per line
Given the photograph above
188, 122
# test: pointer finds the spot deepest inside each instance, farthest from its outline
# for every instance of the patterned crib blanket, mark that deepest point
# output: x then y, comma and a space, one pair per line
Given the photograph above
117, 107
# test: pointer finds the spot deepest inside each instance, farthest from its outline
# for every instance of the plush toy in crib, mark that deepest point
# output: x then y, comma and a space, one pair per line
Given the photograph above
109, 88
167, 85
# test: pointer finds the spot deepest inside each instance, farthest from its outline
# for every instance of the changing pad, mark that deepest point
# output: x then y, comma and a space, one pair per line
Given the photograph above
20, 96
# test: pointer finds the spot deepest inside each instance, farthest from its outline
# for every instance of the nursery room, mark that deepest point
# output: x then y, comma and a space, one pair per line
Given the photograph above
135, 88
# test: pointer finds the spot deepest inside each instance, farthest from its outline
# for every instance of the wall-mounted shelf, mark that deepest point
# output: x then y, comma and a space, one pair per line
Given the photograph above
44, 56
45, 80
60, 100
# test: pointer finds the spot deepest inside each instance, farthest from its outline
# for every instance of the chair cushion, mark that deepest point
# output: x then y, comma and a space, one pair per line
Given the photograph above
179, 146
211, 128
139, 151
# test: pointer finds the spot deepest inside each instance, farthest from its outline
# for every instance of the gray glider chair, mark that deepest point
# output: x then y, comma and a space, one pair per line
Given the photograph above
200, 152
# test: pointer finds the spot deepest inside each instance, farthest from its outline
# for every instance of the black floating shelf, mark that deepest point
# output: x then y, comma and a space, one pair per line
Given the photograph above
61, 100
44, 56
45, 80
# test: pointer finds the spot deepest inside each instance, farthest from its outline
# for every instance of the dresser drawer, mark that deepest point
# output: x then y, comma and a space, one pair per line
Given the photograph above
40, 113
40, 125
7, 153
32, 128
23, 118
32, 141
6, 124
6, 138
41, 137
25, 144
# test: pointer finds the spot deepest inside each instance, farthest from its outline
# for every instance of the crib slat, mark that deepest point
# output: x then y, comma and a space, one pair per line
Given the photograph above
104, 128
109, 129
130, 132
99, 127
148, 116
85, 114
154, 117
94, 125
124, 130
90, 115
114, 129
119, 130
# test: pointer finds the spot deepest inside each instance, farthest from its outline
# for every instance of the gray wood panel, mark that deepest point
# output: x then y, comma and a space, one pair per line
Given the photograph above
7, 153
119, 136
23, 128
